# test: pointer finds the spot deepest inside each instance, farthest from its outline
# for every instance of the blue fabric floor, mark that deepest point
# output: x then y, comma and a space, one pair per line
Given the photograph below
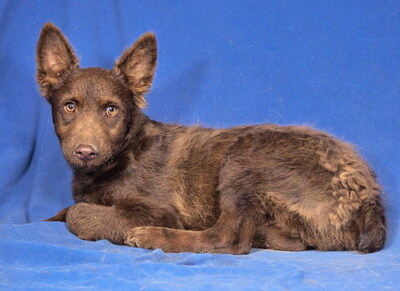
331, 65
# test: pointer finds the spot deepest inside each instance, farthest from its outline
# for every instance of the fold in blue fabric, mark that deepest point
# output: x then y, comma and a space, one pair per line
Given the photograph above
334, 66
46, 256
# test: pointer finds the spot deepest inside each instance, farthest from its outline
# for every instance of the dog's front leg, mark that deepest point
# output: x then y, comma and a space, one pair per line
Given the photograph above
95, 222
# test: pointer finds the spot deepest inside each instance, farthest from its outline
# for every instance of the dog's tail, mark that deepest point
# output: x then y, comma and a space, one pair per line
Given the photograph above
373, 228
60, 216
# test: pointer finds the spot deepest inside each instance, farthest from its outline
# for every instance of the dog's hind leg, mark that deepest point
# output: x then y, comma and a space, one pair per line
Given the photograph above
94, 222
272, 237
232, 233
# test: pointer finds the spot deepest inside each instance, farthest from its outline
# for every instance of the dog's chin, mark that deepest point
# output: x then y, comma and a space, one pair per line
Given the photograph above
88, 166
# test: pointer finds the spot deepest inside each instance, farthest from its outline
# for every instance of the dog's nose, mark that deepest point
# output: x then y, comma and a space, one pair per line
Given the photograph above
86, 152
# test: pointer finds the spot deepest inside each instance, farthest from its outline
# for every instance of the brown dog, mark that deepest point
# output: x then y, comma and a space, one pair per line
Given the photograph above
154, 185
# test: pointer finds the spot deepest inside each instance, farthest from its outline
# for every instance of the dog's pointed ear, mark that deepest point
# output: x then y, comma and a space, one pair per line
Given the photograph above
54, 57
136, 66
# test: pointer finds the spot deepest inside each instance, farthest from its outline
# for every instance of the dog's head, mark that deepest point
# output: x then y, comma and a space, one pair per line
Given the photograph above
93, 109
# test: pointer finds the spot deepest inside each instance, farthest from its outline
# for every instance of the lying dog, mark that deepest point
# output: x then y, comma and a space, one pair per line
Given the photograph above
154, 185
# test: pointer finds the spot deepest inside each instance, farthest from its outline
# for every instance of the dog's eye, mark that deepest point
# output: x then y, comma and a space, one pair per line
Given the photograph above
111, 110
69, 107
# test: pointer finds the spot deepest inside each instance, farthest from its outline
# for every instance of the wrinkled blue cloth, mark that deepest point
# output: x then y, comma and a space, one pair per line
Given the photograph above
331, 65
48, 256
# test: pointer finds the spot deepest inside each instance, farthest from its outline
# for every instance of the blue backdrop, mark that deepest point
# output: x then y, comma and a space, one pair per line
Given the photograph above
334, 65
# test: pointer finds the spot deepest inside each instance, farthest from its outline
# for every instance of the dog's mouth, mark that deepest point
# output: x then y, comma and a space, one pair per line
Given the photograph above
87, 165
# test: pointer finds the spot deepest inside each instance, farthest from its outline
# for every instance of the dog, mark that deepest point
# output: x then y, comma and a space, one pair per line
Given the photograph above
148, 184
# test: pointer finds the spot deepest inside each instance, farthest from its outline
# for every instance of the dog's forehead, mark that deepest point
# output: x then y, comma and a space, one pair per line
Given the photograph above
94, 83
